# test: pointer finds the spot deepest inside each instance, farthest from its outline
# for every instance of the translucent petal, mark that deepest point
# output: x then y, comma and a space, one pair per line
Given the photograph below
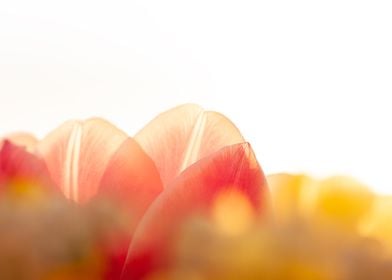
193, 193
183, 135
23, 139
77, 154
132, 178
18, 165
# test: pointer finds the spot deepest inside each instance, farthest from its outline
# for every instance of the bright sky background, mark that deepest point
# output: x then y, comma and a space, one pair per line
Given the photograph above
308, 83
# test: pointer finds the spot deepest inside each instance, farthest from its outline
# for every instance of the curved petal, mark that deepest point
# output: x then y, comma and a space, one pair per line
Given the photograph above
132, 178
16, 164
195, 192
183, 135
132, 181
23, 139
77, 154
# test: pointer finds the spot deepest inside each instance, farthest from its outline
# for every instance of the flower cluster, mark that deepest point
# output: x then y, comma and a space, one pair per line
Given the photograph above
185, 198
334, 228
173, 169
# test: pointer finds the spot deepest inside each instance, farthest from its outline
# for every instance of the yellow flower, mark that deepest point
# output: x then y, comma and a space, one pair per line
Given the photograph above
333, 228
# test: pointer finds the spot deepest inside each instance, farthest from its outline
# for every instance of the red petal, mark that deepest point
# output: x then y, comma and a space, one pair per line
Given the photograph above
18, 164
132, 178
23, 139
183, 135
77, 154
233, 168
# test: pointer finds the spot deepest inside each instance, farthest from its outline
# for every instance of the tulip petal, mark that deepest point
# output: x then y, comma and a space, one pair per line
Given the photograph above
183, 135
132, 179
18, 164
133, 182
194, 192
23, 139
77, 154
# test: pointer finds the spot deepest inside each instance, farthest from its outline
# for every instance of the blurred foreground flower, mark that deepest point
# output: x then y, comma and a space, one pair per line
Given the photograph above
177, 167
334, 228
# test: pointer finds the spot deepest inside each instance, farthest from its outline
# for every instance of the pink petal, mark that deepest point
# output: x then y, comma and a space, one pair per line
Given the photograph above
132, 179
183, 135
23, 139
18, 164
77, 154
233, 168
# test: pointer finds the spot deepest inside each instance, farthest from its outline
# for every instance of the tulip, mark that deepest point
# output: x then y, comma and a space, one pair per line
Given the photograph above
199, 155
175, 168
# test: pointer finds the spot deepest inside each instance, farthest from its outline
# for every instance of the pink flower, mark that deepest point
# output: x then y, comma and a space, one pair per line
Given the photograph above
171, 170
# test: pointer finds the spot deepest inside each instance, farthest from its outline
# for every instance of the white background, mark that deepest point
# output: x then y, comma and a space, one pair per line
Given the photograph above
307, 82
